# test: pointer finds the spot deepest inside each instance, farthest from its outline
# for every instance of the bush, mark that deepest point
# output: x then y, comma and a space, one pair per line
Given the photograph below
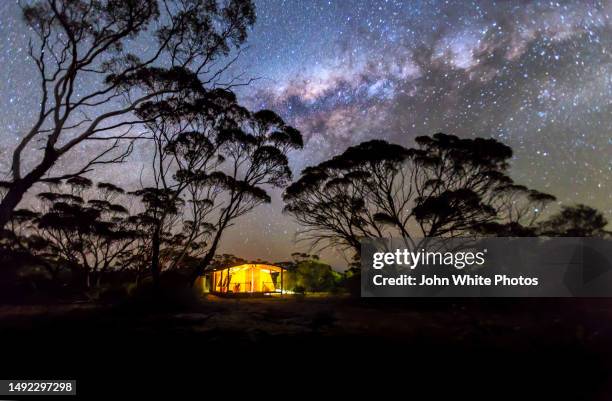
352, 284
313, 276
173, 294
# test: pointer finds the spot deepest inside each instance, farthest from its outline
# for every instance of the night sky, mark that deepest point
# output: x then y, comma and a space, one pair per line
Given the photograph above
536, 75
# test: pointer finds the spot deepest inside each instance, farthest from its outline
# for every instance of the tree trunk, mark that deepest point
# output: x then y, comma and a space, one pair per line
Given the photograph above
20, 186
207, 258
155, 245
93, 278
11, 200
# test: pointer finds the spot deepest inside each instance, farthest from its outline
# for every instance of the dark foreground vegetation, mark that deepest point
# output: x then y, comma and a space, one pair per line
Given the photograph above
551, 348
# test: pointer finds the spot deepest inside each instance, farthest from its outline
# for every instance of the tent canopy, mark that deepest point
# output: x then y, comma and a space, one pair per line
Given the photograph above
247, 278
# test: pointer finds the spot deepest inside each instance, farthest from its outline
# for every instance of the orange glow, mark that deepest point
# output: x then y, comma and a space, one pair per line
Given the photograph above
247, 278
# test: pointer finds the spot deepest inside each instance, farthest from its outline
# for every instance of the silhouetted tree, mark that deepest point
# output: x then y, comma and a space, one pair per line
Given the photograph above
446, 187
518, 211
255, 157
216, 157
297, 256
226, 260
162, 211
77, 40
575, 221
76, 230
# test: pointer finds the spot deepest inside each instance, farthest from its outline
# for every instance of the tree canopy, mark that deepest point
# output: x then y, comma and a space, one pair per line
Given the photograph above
444, 187
78, 41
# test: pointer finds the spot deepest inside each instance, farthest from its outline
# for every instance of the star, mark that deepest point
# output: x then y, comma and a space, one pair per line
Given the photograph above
532, 74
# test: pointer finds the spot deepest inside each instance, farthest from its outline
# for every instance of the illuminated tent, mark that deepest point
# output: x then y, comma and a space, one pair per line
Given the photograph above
250, 278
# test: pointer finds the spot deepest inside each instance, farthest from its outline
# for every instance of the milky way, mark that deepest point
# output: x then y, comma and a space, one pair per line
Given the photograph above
535, 75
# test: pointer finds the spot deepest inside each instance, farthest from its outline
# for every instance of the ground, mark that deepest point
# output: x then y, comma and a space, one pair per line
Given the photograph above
567, 341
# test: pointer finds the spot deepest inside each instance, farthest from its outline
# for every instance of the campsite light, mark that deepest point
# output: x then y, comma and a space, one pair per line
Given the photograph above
248, 278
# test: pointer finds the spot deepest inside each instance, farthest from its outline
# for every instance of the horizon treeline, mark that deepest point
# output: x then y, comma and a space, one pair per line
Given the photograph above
88, 233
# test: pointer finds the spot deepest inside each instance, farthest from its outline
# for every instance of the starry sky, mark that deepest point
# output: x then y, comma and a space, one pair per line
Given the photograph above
536, 75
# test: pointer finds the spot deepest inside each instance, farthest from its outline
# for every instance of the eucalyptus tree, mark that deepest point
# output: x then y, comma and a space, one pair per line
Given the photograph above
255, 159
575, 221
212, 163
77, 227
445, 187
94, 74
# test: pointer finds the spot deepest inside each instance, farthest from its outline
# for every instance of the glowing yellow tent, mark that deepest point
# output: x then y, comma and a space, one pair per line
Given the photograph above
250, 278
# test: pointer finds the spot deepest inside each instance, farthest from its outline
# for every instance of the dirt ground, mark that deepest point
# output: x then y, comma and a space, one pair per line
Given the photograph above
566, 341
